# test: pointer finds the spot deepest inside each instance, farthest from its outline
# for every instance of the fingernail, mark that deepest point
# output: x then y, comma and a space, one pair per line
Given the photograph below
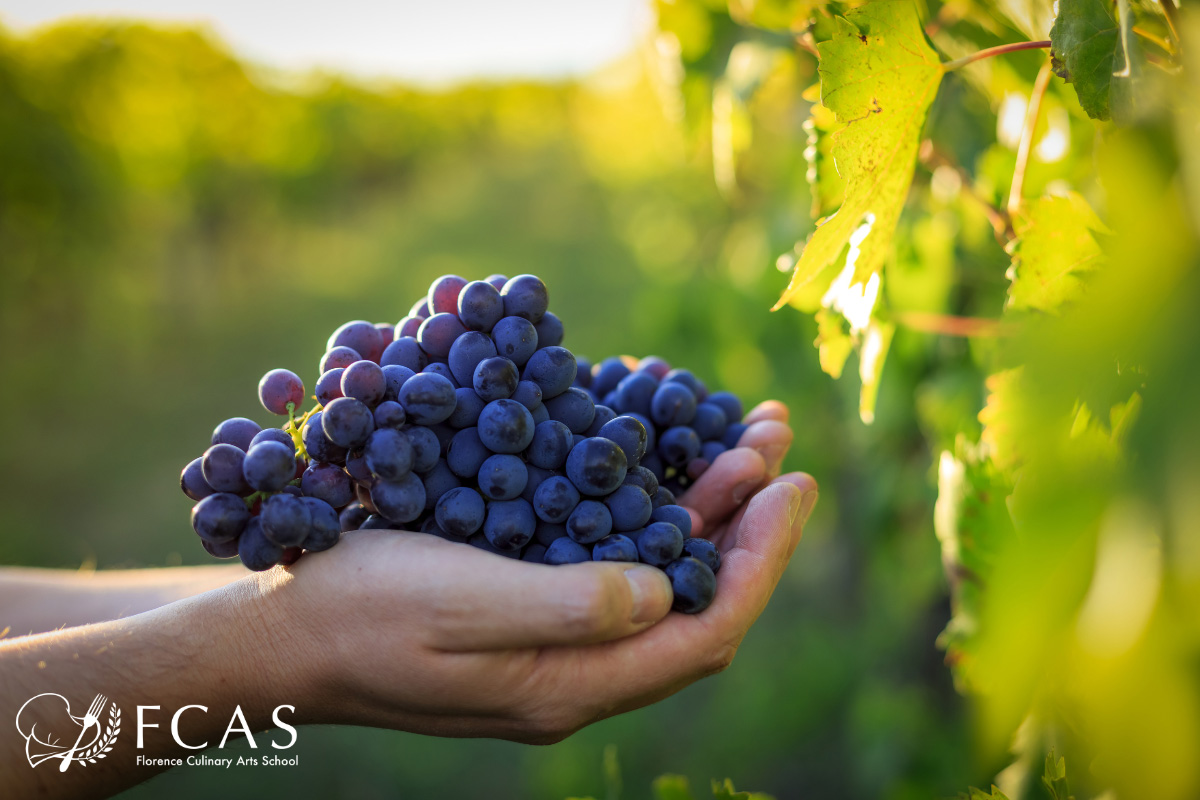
772, 454
807, 503
743, 490
650, 588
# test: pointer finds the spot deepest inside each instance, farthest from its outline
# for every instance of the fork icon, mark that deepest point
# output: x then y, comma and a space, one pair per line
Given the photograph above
92, 717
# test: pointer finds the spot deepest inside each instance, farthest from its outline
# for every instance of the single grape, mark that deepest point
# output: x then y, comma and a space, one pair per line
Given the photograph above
327, 482
663, 497
495, 379
376, 522
227, 549
404, 352
399, 501
574, 408
467, 406
191, 480
426, 448
444, 293
733, 434
678, 446
704, 551
550, 445
389, 414
502, 477
728, 402
515, 339
552, 369
365, 382
603, 416
389, 454
537, 476
437, 482
496, 280
347, 422
693, 583
525, 296
655, 366
642, 478
480, 306
629, 434
338, 357
219, 517
673, 404
710, 450
326, 529
528, 394
466, 453
566, 551
441, 369
285, 520
615, 547
555, 499
353, 516
676, 515
630, 508
420, 309
509, 524
257, 552
651, 433
589, 522
238, 431
596, 466
357, 469
583, 378
549, 330
396, 376
317, 444
278, 388
387, 333
709, 422
361, 336
607, 374
466, 354
539, 414
294, 491
505, 426
635, 393
221, 466
685, 378
269, 466
407, 326
659, 544
437, 334
274, 435
460, 511
427, 398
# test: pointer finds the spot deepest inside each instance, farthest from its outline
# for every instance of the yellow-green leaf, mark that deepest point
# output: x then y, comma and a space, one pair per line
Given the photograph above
878, 76
1054, 246
834, 344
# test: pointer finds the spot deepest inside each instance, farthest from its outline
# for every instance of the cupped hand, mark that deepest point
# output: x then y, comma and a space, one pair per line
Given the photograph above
408, 631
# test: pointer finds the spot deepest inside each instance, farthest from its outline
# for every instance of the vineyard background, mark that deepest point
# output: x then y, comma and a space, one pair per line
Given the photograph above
174, 220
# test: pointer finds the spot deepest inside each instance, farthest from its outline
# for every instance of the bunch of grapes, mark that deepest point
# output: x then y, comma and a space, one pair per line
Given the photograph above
468, 420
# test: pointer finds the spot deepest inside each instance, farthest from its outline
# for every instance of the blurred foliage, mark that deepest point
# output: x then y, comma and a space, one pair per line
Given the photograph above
174, 221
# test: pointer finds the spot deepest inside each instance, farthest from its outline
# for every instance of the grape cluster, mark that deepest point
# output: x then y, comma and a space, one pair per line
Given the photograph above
468, 420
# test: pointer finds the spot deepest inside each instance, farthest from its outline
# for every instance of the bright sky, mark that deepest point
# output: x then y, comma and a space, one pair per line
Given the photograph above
431, 41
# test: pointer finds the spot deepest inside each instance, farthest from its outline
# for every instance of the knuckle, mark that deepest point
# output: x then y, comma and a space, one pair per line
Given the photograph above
722, 656
589, 611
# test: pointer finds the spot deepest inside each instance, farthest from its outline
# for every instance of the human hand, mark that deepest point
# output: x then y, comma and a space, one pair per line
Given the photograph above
409, 631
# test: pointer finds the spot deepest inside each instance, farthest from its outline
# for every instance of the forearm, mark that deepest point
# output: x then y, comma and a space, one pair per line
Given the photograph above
212, 650
37, 600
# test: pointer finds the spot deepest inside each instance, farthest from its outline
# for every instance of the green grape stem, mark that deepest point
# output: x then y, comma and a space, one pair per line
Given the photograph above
1012, 47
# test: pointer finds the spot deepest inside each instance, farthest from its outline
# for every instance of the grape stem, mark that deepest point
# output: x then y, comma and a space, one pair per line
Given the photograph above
1172, 15
1031, 118
933, 158
1012, 47
948, 325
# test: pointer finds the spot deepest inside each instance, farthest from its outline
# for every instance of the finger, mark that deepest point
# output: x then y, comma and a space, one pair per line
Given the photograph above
768, 409
725, 538
772, 439
724, 486
514, 604
683, 648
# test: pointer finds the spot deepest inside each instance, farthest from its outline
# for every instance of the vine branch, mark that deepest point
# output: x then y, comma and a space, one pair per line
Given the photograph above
949, 325
932, 158
1026, 145
998, 50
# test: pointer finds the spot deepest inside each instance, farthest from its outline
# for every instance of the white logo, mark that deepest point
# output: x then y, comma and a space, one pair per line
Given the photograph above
52, 731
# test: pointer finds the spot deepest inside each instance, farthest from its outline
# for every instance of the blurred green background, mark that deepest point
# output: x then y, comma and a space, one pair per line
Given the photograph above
174, 222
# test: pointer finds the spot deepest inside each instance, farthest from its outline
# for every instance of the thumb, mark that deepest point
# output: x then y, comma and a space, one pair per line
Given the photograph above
534, 605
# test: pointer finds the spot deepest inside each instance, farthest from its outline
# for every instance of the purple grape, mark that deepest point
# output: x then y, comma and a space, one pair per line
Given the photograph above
480, 306
615, 547
444, 293
552, 369
327, 482
221, 466
329, 385
278, 388
360, 336
347, 422
437, 334
427, 398
466, 354
495, 379
549, 330
269, 466
365, 382
191, 480
525, 296
219, 517
339, 357
515, 339
238, 431
400, 501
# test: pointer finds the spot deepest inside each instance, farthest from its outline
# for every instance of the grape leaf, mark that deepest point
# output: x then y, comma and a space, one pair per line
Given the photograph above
725, 791
879, 76
1054, 245
672, 787
1055, 778
824, 183
979, 794
1031, 17
1087, 50
833, 343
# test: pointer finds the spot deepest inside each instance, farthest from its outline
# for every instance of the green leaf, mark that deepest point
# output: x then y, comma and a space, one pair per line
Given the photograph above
1031, 17
1054, 246
1087, 50
979, 794
826, 185
876, 341
878, 76
672, 787
834, 345
1055, 778
725, 791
